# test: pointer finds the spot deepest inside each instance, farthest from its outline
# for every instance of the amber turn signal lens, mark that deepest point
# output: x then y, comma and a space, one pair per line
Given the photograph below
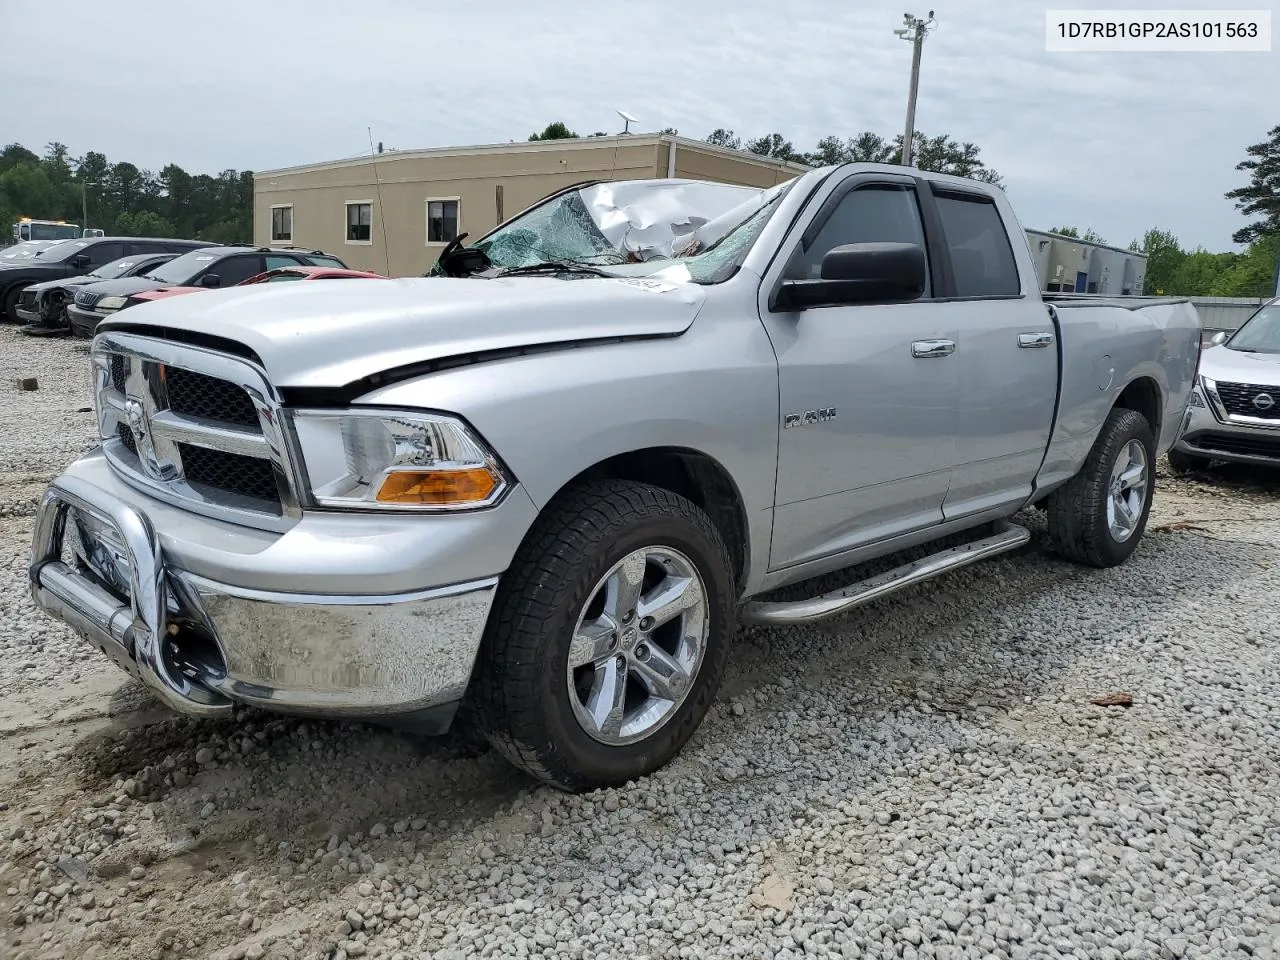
438, 487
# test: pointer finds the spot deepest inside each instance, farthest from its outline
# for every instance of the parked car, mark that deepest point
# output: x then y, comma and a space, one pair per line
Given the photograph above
206, 268
43, 306
25, 251
270, 276
72, 258
1234, 411
549, 481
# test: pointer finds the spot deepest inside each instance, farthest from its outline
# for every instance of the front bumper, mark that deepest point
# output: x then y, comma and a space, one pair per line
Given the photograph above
85, 322
1214, 435
204, 645
28, 315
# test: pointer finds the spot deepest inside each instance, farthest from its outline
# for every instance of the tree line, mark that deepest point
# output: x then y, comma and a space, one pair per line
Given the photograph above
122, 199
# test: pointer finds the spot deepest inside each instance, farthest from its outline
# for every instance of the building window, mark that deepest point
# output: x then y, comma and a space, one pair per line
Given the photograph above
282, 223
442, 219
360, 221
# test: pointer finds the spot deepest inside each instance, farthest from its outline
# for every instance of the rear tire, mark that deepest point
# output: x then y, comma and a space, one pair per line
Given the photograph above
1183, 463
1098, 517
619, 588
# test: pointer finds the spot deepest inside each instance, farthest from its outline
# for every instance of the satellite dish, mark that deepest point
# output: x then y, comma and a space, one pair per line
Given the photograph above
628, 120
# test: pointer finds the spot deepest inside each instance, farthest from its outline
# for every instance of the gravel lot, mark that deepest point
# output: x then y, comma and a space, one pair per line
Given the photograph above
928, 777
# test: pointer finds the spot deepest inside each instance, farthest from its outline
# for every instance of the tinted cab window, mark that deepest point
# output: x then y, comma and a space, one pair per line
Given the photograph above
981, 257
874, 213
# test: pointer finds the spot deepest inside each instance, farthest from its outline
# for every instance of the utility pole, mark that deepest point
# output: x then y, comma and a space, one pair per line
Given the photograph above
914, 31
84, 203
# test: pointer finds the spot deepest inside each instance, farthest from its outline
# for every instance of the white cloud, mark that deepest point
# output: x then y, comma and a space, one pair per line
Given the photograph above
1118, 142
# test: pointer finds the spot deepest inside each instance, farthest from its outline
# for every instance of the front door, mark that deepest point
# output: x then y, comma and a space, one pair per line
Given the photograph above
867, 393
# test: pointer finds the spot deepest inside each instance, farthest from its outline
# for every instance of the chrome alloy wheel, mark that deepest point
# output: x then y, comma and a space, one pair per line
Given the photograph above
1127, 491
638, 645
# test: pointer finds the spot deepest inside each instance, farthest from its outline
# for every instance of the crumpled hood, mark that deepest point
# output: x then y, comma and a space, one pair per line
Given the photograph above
333, 333
1236, 366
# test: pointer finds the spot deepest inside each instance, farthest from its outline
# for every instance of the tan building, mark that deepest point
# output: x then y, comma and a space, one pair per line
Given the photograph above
394, 212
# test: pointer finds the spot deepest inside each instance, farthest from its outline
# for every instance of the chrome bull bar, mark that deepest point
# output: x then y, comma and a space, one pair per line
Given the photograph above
131, 634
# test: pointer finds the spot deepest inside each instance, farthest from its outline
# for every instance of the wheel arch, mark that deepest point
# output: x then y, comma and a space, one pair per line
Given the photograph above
1143, 396
694, 475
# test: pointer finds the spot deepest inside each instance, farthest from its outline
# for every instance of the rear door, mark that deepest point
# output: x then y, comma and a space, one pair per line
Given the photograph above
868, 392
1007, 355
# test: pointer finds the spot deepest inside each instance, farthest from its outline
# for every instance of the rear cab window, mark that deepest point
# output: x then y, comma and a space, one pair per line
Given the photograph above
982, 260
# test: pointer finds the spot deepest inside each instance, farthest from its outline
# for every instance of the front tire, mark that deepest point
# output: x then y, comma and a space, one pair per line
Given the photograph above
608, 636
1098, 517
9, 305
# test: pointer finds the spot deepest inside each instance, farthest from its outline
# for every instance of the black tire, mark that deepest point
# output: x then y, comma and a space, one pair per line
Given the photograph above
1078, 524
9, 304
521, 692
1183, 463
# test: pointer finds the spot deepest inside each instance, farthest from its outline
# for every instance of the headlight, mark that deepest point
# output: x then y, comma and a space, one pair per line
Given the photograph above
111, 303
389, 459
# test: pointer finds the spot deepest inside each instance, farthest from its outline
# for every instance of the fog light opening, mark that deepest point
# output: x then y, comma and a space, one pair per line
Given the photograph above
190, 652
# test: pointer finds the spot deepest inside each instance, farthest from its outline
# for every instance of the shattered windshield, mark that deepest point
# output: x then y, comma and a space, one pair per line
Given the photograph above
700, 231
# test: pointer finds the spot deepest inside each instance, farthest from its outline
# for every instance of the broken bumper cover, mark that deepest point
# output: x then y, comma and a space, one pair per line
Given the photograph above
203, 646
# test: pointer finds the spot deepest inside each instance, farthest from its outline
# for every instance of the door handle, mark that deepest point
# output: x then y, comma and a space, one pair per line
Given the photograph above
1031, 341
925, 349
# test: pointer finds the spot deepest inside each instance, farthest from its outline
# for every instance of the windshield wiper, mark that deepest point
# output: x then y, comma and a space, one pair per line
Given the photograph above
555, 266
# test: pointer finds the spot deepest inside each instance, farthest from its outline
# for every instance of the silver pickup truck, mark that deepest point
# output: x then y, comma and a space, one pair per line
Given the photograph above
545, 482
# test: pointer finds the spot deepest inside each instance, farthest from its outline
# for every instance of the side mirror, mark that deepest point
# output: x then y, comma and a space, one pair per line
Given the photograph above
858, 273
80, 260
211, 280
1218, 338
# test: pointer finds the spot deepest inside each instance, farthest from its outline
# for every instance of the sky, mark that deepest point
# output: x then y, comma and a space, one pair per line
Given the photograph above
1119, 142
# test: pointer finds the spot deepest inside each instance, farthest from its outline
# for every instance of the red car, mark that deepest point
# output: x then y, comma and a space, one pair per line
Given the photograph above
271, 276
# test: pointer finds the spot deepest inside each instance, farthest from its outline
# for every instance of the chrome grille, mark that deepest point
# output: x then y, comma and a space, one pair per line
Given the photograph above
86, 299
246, 476
194, 427
199, 395
1250, 400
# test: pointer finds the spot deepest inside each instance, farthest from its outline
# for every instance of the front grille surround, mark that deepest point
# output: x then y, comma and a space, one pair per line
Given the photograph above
1238, 399
199, 429
86, 299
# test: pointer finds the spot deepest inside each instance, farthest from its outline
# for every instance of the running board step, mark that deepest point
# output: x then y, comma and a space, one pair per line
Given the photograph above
1008, 536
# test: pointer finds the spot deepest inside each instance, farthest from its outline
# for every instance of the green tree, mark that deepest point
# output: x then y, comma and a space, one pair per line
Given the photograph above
721, 137
776, 146
1164, 257
1261, 198
1252, 273
125, 199
1089, 236
555, 131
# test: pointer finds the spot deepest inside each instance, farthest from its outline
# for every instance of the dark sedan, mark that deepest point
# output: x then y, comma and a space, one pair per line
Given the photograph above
43, 306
